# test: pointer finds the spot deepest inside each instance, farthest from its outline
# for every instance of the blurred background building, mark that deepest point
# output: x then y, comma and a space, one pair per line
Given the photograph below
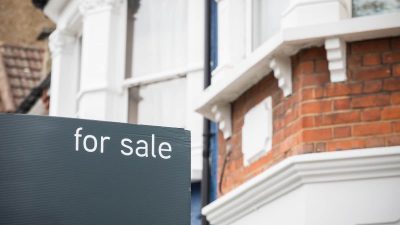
24, 58
130, 61
304, 95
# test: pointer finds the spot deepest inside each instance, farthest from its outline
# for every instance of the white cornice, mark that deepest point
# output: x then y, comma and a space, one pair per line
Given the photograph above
301, 170
234, 81
65, 14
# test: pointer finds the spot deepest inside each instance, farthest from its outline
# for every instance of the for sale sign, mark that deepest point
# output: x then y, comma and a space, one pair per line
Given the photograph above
72, 171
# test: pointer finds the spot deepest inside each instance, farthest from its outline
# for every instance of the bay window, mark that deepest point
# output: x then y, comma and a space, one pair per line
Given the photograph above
158, 57
266, 19
372, 7
164, 74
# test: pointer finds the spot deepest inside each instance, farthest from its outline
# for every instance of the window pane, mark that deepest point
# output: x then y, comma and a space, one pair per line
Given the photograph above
371, 7
159, 36
161, 104
267, 16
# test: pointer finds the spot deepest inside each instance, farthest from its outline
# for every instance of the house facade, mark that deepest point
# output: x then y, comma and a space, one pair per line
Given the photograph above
130, 61
306, 97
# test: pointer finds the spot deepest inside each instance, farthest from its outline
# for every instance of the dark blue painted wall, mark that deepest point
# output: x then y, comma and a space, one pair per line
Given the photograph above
196, 204
214, 127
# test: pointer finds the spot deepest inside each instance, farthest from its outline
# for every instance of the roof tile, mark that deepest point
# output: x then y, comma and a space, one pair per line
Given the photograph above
23, 66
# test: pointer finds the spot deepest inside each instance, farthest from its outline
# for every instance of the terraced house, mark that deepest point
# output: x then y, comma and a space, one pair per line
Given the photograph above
306, 95
303, 94
130, 61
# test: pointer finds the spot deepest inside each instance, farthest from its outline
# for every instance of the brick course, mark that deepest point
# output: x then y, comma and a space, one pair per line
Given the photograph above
321, 116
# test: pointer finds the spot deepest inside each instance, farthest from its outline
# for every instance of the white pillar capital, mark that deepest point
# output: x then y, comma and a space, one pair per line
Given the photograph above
59, 41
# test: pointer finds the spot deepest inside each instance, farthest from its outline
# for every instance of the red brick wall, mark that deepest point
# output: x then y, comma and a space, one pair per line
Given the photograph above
321, 116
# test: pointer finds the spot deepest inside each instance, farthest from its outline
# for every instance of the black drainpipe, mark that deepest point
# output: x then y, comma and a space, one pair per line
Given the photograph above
205, 180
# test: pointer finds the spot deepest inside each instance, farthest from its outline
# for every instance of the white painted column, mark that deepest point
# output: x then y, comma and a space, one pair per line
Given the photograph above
101, 95
64, 48
194, 83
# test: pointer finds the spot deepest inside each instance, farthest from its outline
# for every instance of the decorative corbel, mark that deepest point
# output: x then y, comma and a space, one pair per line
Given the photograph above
336, 55
59, 41
282, 68
222, 115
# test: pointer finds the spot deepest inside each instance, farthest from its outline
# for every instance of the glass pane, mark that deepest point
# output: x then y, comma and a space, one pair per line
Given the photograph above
371, 7
161, 104
159, 36
267, 16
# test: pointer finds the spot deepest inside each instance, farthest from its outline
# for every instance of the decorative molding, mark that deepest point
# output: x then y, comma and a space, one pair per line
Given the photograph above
222, 115
336, 55
282, 68
91, 6
59, 41
296, 171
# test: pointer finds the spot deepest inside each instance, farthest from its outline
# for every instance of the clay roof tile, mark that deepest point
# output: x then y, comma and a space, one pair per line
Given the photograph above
23, 69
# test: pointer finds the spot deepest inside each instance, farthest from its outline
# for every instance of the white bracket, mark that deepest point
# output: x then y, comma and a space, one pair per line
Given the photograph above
222, 115
336, 55
282, 67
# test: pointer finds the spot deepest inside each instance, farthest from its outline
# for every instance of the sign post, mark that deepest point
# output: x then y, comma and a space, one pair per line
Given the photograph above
73, 171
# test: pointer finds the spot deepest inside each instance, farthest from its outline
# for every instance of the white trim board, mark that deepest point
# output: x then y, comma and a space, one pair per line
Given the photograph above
299, 170
159, 77
232, 82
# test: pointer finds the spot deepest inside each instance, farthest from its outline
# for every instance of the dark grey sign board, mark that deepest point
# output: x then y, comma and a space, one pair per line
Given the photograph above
80, 172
